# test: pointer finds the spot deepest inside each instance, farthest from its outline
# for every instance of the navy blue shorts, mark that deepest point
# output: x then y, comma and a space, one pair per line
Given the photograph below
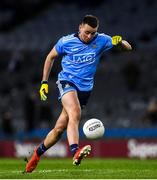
66, 86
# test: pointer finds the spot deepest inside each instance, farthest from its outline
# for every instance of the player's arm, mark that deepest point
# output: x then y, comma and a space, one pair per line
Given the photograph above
46, 71
119, 42
48, 64
125, 45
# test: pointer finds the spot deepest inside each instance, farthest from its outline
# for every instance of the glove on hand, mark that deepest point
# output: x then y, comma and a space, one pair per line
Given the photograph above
44, 90
116, 40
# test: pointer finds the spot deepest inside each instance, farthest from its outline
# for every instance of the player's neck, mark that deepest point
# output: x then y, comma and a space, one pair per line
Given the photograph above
79, 37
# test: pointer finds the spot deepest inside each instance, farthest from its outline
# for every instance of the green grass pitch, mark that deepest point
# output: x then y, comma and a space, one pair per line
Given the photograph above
89, 169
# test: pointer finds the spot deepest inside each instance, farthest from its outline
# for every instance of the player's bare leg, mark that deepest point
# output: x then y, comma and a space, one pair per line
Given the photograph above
72, 106
53, 136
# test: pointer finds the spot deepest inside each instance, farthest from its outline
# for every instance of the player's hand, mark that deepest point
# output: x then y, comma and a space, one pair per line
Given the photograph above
44, 89
116, 40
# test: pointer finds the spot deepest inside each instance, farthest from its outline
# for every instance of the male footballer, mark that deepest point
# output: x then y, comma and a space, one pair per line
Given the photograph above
80, 53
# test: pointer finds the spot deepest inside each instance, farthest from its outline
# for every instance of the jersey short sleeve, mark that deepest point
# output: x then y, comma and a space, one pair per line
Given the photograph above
108, 42
59, 46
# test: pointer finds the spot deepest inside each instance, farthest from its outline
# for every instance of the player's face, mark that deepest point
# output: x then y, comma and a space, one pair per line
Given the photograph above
86, 32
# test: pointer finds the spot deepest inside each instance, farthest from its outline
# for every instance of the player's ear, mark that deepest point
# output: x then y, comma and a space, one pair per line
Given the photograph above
80, 27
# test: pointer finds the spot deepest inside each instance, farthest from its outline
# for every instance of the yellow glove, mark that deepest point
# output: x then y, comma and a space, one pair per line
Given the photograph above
44, 90
116, 40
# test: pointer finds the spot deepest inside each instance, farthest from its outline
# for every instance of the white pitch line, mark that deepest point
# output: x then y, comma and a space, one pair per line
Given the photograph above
106, 171
49, 170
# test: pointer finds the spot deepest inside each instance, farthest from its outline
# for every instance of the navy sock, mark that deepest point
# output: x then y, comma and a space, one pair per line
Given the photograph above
41, 149
73, 148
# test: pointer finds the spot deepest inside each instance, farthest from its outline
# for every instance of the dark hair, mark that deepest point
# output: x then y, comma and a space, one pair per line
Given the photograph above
91, 21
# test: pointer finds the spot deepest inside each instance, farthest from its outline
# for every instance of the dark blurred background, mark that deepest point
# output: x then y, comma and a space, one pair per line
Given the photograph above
125, 92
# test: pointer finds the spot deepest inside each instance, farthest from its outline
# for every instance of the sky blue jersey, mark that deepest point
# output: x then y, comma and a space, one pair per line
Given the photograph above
79, 61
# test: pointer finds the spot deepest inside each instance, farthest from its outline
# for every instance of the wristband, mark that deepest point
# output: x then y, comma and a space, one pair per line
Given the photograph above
44, 82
